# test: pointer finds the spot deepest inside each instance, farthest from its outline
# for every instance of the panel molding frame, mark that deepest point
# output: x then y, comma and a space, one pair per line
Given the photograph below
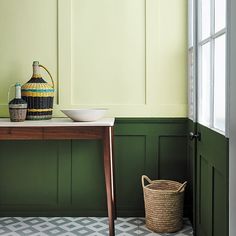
150, 108
159, 137
65, 59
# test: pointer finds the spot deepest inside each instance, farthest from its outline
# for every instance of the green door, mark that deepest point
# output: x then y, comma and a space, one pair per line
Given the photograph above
211, 183
208, 180
208, 147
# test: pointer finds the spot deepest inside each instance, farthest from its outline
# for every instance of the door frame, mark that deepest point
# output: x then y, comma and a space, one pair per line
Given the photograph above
231, 17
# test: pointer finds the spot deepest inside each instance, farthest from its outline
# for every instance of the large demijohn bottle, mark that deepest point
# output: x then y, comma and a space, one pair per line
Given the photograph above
39, 95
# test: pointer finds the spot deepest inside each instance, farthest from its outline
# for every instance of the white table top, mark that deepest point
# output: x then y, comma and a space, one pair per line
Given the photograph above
56, 122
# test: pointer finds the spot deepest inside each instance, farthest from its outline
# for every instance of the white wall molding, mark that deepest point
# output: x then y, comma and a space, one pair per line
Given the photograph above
232, 113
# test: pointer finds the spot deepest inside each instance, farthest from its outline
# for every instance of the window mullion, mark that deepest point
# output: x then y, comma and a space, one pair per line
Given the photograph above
199, 83
219, 33
195, 57
212, 83
204, 41
212, 46
198, 61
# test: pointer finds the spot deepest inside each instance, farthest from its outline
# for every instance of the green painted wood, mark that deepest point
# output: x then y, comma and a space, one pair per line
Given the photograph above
204, 208
28, 174
154, 130
220, 202
66, 177
191, 167
172, 158
130, 166
64, 173
88, 184
212, 184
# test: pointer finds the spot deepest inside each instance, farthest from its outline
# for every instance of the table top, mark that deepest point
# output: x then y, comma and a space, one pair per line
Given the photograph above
56, 122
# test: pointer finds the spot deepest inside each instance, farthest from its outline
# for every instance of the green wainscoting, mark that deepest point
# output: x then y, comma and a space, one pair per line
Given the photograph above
66, 177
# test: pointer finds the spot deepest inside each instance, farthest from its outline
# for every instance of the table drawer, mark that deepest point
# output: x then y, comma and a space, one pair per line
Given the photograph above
21, 133
56, 133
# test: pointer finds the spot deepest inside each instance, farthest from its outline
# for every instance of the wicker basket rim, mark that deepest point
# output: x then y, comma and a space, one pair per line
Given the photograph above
161, 190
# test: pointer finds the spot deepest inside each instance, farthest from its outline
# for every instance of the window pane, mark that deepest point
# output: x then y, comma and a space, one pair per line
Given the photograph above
204, 86
220, 14
219, 83
191, 84
205, 18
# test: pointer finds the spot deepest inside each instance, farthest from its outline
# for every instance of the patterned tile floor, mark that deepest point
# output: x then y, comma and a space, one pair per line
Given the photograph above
78, 226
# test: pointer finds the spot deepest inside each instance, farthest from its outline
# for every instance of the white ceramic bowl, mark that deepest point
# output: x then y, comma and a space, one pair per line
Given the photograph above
85, 114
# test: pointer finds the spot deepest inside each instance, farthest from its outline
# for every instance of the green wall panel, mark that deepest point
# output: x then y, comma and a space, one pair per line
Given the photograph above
28, 173
64, 174
160, 137
173, 158
130, 158
67, 177
88, 184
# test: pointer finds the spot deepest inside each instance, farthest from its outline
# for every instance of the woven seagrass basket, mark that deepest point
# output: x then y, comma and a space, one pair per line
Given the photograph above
39, 95
163, 201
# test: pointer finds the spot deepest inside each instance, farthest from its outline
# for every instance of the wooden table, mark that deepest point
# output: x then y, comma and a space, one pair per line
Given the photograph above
64, 129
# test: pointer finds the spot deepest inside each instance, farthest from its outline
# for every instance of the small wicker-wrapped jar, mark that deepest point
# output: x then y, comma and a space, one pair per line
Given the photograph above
163, 200
17, 106
39, 95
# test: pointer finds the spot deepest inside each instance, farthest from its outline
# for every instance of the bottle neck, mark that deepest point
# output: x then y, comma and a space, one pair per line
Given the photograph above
36, 71
18, 91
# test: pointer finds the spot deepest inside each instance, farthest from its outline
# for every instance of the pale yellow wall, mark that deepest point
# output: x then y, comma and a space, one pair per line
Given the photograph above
126, 55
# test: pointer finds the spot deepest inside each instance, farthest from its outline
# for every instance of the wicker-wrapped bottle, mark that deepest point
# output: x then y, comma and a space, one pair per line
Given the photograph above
39, 95
17, 106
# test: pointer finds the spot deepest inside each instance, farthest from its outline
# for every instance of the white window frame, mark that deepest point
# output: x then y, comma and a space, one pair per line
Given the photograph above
192, 58
211, 39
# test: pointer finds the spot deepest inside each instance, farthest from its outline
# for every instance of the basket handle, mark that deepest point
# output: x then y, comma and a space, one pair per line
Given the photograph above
48, 74
144, 177
182, 186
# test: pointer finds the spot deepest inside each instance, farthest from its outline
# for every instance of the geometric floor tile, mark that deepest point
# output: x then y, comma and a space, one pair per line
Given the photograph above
27, 231
80, 226
33, 221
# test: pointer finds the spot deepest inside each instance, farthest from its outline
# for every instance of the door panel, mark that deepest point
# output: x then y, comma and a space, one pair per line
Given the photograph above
212, 183
204, 196
220, 204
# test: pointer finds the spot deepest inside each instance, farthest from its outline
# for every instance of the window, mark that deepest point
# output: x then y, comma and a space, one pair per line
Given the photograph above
211, 48
204, 85
191, 62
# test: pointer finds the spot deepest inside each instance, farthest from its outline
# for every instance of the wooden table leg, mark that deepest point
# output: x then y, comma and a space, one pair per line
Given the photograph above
107, 158
113, 175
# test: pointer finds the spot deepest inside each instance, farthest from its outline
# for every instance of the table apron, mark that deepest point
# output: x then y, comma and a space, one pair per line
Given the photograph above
52, 133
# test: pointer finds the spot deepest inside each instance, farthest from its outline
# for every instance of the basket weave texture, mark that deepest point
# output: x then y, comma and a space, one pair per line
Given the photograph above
17, 115
163, 200
39, 96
